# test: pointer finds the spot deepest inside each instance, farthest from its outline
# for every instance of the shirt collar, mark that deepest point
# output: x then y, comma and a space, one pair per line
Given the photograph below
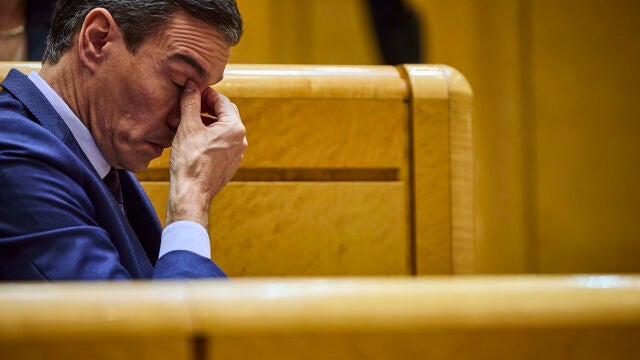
77, 128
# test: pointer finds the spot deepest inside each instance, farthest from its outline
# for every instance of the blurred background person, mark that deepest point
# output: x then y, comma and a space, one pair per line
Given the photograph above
24, 26
397, 30
13, 38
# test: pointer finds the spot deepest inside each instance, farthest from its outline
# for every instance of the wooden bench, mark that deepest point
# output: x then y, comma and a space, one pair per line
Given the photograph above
351, 170
523, 317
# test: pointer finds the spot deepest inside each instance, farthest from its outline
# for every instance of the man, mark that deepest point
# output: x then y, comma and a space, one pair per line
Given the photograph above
121, 81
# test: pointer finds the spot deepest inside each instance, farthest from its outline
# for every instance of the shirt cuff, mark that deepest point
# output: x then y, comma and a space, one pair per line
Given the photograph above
185, 235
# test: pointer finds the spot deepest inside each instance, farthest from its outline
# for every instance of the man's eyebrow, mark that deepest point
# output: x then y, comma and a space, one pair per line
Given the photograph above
187, 59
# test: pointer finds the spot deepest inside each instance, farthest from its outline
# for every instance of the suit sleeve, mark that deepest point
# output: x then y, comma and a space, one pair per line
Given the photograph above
182, 264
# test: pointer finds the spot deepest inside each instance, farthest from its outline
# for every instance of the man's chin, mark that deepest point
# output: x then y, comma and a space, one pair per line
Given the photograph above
138, 166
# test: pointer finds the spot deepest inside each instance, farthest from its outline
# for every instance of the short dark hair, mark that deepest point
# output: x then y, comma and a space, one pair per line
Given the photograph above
138, 19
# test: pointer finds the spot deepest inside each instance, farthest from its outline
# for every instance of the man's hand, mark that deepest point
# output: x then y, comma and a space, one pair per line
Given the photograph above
203, 157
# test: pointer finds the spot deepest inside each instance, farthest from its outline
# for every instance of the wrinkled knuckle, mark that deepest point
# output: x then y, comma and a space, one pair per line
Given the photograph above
188, 103
239, 132
242, 130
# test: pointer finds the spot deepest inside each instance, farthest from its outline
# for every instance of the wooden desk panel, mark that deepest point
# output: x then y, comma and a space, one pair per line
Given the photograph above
319, 133
307, 228
99, 348
530, 344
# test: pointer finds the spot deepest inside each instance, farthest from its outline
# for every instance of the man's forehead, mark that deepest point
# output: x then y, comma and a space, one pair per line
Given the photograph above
197, 45
191, 61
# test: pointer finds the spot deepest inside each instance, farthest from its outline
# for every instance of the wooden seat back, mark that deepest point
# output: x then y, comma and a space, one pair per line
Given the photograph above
350, 170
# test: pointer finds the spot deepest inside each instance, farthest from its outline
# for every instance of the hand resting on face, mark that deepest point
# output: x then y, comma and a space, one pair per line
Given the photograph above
205, 154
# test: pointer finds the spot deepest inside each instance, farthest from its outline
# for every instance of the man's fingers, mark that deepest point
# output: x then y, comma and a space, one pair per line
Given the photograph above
218, 105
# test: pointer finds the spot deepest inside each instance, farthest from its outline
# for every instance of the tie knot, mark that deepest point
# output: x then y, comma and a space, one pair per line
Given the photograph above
112, 180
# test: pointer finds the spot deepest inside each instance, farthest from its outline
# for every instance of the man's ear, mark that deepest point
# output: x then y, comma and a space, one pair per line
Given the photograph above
97, 37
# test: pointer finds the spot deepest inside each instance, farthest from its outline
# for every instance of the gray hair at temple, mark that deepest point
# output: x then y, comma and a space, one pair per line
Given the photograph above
138, 19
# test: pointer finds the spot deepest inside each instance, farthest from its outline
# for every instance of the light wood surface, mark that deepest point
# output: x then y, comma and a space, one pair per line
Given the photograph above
351, 170
312, 81
320, 133
308, 305
80, 321
442, 157
321, 228
463, 216
554, 317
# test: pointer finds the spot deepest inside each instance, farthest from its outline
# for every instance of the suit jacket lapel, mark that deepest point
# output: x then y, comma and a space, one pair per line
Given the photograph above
43, 112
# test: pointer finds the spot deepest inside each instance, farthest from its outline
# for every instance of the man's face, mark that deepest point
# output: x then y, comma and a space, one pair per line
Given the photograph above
135, 109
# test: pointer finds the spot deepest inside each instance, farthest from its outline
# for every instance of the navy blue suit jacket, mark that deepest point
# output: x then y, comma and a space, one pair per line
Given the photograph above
58, 220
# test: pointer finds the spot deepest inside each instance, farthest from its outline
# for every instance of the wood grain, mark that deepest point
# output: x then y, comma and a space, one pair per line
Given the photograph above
306, 229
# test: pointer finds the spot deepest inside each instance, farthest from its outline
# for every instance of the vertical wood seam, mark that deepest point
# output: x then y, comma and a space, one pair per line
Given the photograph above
411, 185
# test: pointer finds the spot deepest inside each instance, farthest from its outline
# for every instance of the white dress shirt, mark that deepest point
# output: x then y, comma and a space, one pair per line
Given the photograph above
179, 235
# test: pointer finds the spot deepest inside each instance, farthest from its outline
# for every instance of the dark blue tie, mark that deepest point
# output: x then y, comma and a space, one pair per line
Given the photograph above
112, 180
